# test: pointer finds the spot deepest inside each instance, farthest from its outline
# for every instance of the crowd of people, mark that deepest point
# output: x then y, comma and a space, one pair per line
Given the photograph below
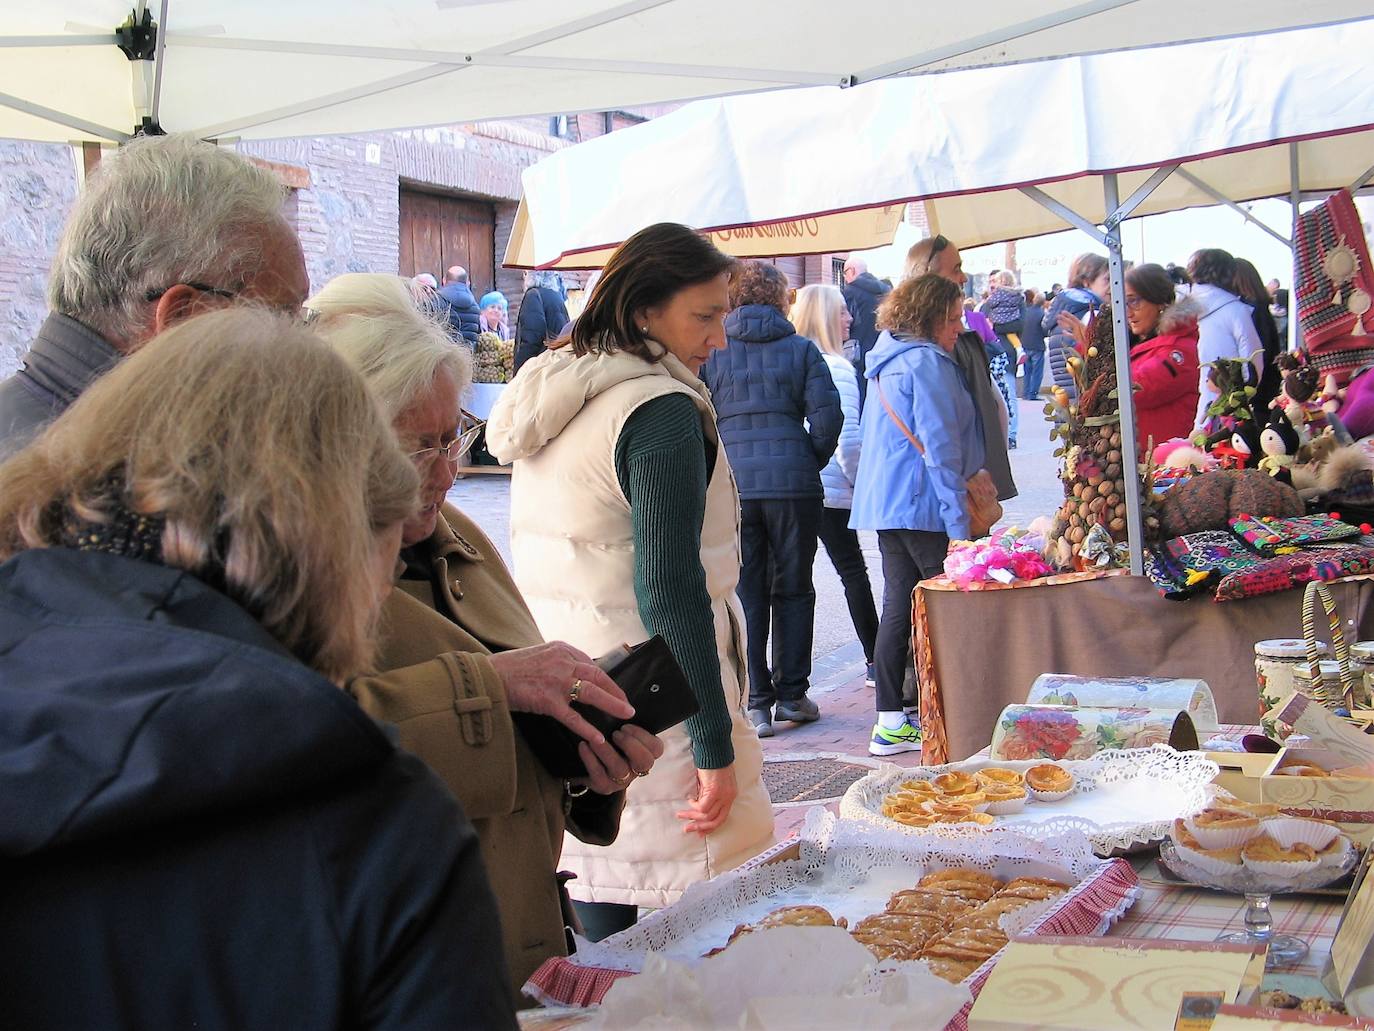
263, 685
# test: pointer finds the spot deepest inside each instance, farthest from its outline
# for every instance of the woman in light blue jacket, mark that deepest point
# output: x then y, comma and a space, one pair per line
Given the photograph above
916, 502
823, 313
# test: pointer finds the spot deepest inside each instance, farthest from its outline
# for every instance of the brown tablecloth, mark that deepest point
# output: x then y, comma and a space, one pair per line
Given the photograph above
979, 651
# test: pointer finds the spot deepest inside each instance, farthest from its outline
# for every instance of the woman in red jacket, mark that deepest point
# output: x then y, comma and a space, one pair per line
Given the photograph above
1164, 364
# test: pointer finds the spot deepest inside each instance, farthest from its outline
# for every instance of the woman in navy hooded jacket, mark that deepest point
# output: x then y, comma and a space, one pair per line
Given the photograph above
917, 502
780, 419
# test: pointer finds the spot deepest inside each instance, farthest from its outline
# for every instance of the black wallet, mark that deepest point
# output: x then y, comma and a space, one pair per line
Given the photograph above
652, 681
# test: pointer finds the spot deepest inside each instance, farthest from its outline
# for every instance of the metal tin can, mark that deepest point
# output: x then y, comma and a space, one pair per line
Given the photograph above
1277, 664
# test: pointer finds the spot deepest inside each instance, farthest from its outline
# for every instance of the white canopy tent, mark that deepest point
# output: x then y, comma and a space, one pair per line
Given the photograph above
1225, 111
1131, 133
262, 69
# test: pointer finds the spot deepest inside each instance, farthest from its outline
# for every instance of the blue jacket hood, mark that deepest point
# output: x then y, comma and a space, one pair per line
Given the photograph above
133, 695
757, 324
889, 347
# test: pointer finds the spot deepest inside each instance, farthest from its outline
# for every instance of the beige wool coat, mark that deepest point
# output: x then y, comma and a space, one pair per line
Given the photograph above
437, 686
573, 545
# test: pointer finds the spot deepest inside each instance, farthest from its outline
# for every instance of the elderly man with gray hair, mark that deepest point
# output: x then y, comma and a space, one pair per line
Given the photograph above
168, 227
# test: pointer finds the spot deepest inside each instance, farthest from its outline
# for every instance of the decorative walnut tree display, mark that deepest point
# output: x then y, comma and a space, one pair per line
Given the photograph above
1093, 467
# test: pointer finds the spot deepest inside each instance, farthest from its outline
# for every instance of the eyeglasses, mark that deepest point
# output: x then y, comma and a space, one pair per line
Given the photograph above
1132, 303
454, 450
155, 294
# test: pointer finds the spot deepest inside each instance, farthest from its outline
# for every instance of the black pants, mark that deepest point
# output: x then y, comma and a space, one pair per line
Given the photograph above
778, 545
842, 545
603, 919
909, 556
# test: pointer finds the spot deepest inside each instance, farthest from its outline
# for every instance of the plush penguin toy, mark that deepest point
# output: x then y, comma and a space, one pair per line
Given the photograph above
1280, 443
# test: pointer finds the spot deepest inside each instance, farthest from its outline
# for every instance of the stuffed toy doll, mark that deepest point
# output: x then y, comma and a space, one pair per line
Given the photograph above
1298, 398
1279, 442
1231, 414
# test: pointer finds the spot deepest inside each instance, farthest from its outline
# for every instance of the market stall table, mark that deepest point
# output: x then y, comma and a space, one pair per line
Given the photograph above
979, 651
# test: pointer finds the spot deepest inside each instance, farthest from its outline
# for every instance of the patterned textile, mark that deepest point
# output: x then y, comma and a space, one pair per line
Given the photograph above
1188, 564
1321, 300
1323, 562
1268, 534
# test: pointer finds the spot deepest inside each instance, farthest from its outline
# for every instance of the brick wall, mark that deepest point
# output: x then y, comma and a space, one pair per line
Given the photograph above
37, 186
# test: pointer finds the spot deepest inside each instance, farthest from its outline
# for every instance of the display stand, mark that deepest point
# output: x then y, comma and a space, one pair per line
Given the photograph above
979, 651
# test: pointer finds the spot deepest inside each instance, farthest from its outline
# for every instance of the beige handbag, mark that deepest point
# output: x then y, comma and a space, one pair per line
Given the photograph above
983, 507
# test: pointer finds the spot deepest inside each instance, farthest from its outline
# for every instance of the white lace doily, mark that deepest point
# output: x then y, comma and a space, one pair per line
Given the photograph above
1120, 799
849, 869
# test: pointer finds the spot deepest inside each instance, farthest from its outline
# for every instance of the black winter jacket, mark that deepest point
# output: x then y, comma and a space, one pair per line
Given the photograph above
542, 317
459, 306
776, 403
198, 831
862, 298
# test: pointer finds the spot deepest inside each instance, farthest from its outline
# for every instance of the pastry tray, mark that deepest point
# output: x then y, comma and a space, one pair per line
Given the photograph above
1122, 800
851, 870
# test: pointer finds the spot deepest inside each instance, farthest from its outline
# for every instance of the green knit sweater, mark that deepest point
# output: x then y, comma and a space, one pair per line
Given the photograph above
660, 460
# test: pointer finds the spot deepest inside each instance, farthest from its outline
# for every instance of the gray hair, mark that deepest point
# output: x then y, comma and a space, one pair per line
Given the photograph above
159, 211
370, 319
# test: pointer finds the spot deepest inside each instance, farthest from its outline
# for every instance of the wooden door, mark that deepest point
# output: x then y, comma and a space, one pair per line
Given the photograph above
437, 232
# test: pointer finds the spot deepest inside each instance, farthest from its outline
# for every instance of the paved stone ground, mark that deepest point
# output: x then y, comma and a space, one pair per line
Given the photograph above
838, 663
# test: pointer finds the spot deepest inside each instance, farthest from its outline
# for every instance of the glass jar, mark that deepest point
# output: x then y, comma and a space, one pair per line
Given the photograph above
1328, 689
1362, 665
1277, 663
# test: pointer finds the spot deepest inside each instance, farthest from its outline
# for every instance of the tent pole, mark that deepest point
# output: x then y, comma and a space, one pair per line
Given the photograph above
1294, 199
1065, 212
1125, 395
1221, 198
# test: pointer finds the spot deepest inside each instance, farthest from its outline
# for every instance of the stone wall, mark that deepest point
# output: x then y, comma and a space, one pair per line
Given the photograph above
37, 186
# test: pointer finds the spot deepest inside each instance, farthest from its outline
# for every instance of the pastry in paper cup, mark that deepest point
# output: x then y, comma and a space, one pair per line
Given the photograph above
1334, 854
1268, 858
1048, 782
1212, 861
1222, 827
1289, 830
1006, 801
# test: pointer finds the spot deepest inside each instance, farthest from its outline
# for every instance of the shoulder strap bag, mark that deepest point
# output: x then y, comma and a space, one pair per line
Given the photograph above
981, 502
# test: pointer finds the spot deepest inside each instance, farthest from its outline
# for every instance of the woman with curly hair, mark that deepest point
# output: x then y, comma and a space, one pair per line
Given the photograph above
780, 420
915, 497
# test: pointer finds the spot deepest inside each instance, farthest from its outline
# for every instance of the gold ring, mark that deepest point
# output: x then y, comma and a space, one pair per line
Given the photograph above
576, 691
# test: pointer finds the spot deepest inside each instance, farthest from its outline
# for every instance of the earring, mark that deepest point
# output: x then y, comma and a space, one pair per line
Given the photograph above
644, 329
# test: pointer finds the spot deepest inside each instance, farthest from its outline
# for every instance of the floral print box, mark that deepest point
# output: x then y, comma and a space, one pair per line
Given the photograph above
1071, 732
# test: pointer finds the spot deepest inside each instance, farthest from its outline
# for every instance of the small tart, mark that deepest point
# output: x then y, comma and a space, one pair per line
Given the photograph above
1048, 777
910, 819
942, 810
918, 787
1334, 853
1222, 827
1265, 849
1000, 775
955, 783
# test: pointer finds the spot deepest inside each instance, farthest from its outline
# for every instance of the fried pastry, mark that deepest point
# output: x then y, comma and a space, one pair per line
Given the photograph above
952, 970
886, 946
1032, 889
800, 916
929, 903
906, 926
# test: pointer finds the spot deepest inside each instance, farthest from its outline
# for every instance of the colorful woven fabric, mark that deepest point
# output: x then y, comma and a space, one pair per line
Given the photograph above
1191, 563
1269, 534
1282, 572
1324, 235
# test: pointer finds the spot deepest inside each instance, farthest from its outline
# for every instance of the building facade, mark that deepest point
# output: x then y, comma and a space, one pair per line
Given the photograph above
401, 202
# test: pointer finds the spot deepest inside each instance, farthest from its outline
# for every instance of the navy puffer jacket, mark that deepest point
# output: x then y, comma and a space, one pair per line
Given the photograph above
459, 307
777, 405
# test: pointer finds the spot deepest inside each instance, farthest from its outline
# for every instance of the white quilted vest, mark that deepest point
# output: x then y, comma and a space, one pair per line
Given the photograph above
573, 552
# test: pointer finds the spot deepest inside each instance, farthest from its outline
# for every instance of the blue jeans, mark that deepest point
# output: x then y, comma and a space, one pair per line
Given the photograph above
1035, 374
1013, 409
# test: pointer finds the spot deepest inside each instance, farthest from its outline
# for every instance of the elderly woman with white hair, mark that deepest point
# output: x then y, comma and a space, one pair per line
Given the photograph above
460, 651
200, 828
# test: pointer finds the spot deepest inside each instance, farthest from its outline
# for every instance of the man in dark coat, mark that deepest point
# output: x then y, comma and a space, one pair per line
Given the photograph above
542, 316
780, 419
200, 831
104, 304
863, 292
459, 306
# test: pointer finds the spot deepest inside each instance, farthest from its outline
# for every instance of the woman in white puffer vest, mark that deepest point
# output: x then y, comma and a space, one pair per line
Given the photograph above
822, 311
624, 524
